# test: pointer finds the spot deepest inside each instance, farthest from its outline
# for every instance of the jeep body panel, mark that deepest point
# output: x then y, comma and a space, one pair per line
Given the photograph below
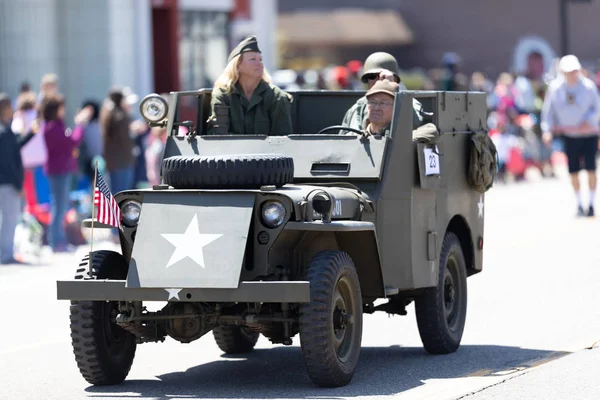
413, 210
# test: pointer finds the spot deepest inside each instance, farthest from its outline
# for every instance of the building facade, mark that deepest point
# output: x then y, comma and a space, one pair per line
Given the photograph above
90, 45
490, 36
148, 45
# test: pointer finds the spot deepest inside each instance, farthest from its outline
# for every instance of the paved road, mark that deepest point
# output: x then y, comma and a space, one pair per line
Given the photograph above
535, 302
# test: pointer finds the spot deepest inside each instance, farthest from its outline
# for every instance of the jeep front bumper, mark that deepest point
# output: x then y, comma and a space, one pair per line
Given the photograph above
251, 292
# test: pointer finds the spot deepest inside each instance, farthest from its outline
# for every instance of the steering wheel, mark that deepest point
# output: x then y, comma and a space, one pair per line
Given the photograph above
340, 127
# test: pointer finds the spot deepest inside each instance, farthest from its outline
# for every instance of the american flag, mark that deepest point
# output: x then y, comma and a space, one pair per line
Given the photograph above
108, 209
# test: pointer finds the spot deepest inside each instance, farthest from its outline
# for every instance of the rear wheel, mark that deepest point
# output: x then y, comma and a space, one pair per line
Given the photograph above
235, 339
442, 311
331, 324
103, 350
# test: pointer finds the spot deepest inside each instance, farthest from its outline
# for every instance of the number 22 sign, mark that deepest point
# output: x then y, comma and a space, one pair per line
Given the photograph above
432, 161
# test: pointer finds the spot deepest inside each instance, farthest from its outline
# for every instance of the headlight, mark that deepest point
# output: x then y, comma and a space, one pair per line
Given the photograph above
273, 213
130, 212
154, 108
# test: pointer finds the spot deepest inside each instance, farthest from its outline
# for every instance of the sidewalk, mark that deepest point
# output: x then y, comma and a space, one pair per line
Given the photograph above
573, 377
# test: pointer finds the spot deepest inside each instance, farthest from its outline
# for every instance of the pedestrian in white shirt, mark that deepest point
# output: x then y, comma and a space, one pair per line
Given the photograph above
572, 110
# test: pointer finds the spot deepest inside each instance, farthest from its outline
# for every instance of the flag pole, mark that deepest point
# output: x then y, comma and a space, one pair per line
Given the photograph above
93, 216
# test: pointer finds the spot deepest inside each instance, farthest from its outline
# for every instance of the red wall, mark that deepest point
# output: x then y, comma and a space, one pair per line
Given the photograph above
165, 40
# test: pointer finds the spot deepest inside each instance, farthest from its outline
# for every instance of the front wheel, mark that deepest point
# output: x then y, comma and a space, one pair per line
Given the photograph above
331, 324
103, 350
442, 311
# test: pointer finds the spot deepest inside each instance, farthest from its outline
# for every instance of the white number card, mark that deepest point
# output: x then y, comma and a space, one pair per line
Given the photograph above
432, 161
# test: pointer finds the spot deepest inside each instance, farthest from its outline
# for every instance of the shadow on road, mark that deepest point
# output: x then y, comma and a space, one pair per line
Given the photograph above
280, 373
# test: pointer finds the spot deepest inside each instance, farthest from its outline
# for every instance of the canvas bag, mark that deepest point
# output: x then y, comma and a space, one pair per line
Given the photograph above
483, 162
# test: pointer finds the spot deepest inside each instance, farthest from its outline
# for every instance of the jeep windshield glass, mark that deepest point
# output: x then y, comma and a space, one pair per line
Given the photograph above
312, 113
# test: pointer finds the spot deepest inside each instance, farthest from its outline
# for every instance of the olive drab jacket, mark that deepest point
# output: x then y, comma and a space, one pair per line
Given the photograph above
357, 114
267, 113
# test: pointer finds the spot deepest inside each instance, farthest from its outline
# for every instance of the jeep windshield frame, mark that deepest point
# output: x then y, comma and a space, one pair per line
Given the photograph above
316, 156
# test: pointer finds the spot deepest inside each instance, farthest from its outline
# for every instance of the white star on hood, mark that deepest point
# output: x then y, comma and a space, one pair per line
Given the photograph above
190, 243
173, 293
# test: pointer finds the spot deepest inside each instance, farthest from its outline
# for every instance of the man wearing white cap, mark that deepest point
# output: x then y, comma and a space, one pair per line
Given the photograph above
572, 110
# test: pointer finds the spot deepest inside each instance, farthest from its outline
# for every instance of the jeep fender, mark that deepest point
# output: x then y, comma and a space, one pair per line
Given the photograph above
357, 238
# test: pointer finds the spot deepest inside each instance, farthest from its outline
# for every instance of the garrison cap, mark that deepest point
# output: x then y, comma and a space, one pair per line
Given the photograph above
248, 44
384, 86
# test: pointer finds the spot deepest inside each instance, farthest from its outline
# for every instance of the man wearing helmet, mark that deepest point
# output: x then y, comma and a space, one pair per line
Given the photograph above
378, 66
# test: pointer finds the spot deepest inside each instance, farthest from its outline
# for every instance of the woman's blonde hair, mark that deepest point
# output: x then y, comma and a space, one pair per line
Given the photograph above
230, 75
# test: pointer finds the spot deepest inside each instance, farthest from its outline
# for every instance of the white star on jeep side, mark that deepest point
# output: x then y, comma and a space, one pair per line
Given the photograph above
480, 205
173, 293
190, 243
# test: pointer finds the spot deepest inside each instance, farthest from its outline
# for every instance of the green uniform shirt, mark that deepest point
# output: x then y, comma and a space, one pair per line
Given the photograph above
267, 113
357, 114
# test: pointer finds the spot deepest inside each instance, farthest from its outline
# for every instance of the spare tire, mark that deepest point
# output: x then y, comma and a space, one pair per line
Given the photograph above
244, 171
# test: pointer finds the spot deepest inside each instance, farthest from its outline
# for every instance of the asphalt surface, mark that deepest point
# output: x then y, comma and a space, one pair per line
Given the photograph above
572, 377
535, 303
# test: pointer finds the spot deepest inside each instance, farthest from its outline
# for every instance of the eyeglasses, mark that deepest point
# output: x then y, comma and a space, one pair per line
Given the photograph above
374, 77
381, 104
370, 77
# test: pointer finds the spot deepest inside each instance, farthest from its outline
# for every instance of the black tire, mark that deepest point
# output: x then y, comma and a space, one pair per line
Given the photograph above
103, 350
228, 171
442, 311
235, 339
331, 350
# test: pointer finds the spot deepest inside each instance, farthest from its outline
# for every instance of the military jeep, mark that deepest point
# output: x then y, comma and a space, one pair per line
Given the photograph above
285, 235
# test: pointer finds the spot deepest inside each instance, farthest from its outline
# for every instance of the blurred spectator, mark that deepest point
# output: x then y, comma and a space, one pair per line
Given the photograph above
153, 154
355, 67
480, 83
48, 86
24, 88
118, 146
286, 79
34, 153
91, 144
141, 133
11, 179
528, 85
62, 145
503, 98
451, 79
597, 77
340, 78
529, 96
313, 79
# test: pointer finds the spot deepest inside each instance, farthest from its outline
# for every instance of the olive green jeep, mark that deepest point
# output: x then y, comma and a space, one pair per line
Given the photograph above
286, 235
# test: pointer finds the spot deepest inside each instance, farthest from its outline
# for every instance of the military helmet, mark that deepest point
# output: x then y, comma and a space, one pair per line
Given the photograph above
380, 61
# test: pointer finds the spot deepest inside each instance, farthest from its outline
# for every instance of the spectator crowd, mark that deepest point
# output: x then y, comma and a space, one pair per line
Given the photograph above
49, 164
